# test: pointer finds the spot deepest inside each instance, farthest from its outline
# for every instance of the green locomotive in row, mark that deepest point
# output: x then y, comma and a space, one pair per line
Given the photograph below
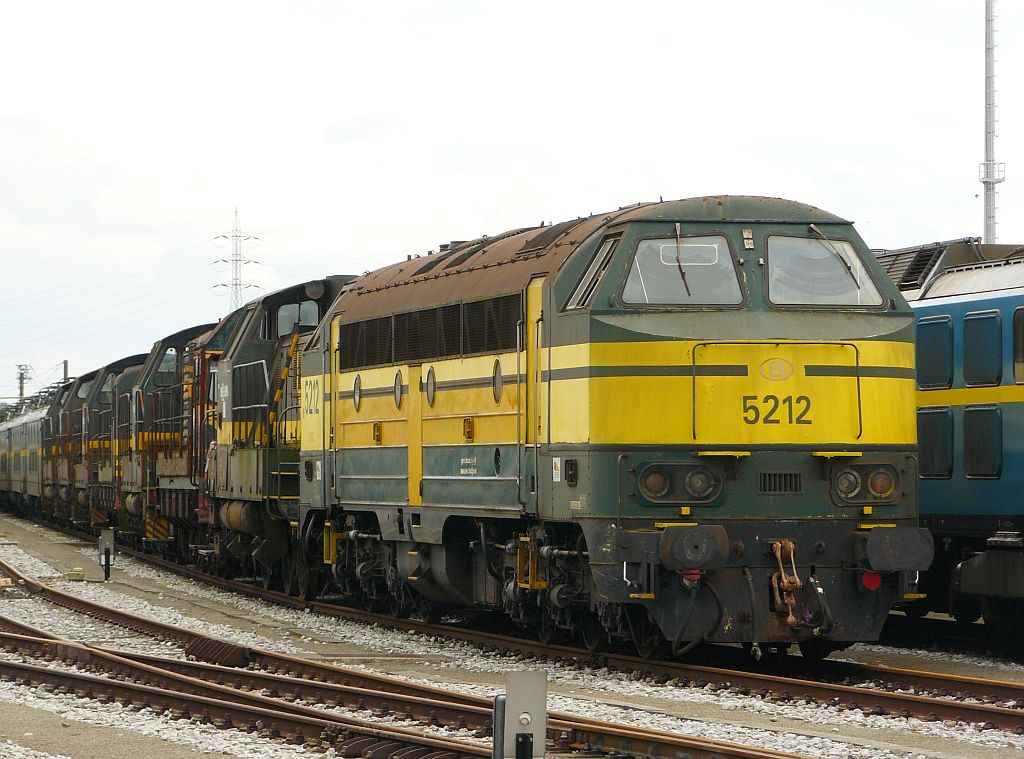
675, 422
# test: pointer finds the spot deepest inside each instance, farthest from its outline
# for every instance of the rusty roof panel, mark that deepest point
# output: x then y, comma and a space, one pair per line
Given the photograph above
548, 235
493, 267
504, 264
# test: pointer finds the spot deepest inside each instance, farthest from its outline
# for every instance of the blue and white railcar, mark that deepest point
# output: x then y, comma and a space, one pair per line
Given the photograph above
968, 300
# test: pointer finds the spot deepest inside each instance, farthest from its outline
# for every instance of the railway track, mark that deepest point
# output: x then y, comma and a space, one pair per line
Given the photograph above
880, 690
933, 696
272, 703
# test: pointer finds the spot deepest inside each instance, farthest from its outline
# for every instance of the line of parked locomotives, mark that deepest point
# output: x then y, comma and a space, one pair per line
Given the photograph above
676, 422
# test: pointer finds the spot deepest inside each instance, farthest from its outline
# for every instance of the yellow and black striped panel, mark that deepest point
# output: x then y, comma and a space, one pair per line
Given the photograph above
158, 527
98, 514
731, 393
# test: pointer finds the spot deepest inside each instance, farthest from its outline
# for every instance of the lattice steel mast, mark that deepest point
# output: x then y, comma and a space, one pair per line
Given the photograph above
237, 262
991, 172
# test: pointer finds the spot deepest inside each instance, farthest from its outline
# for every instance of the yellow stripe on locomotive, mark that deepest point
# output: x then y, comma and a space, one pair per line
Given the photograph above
745, 393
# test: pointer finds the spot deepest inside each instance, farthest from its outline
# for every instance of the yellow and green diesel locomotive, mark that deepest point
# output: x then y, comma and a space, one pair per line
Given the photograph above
677, 422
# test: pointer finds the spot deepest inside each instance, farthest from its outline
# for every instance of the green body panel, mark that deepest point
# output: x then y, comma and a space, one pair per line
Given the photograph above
372, 475
467, 474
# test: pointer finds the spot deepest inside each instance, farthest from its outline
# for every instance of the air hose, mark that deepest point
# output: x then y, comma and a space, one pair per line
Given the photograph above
754, 647
827, 622
676, 650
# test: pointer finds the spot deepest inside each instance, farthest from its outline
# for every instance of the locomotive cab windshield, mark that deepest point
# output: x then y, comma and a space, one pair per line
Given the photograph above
683, 271
818, 271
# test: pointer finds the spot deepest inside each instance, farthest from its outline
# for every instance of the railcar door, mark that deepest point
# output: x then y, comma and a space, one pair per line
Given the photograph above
535, 399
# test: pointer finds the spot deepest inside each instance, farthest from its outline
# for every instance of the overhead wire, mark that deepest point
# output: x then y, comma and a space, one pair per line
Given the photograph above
76, 335
78, 282
53, 315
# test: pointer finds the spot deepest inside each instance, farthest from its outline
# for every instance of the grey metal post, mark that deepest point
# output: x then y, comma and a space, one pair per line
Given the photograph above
521, 717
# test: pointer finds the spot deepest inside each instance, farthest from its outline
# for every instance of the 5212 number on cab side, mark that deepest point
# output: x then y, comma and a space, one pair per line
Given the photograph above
772, 409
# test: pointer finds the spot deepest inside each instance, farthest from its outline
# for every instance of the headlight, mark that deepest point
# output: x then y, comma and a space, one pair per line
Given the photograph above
654, 483
700, 483
848, 483
866, 483
882, 482
678, 483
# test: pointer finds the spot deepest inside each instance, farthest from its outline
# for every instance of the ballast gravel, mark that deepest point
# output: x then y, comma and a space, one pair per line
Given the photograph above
84, 629
454, 657
457, 656
25, 563
150, 723
10, 750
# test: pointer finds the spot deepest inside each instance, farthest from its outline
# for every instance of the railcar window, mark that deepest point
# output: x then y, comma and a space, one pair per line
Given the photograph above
1018, 345
806, 271
983, 441
248, 391
687, 271
84, 388
167, 371
584, 292
106, 392
983, 348
934, 352
220, 337
304, 315
935, 436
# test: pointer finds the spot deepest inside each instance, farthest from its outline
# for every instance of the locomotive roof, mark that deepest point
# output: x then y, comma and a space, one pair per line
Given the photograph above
953, 267
505, 263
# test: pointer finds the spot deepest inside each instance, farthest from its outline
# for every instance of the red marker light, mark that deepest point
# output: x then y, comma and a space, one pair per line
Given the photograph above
871, 580
881, 484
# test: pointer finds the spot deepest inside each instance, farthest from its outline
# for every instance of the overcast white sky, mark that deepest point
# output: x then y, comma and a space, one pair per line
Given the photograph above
352, 134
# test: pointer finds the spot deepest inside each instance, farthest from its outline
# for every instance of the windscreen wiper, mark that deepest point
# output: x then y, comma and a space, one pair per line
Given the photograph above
679, 262
835, 252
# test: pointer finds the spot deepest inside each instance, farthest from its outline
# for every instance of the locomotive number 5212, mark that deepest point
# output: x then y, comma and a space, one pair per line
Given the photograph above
773, 409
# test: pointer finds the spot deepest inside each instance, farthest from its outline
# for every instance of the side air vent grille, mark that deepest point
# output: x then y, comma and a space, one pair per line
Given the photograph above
780, 483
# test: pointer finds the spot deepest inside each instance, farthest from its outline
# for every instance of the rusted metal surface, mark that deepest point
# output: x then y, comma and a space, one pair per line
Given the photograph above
770, 685
232, 706
219, 652
143, 684
777, 686
498, 266
324, 731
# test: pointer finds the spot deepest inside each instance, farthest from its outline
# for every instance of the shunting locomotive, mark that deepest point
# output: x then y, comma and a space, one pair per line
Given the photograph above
676, 422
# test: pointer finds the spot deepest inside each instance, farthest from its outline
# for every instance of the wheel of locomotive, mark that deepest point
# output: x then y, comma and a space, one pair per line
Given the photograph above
270, 577
432, 613
288, 572
373, 604
592, 634
548, 631
966, 611
226, 567
647, 638
399, 606
308, 580
916, 610
815, 649
1003, 619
